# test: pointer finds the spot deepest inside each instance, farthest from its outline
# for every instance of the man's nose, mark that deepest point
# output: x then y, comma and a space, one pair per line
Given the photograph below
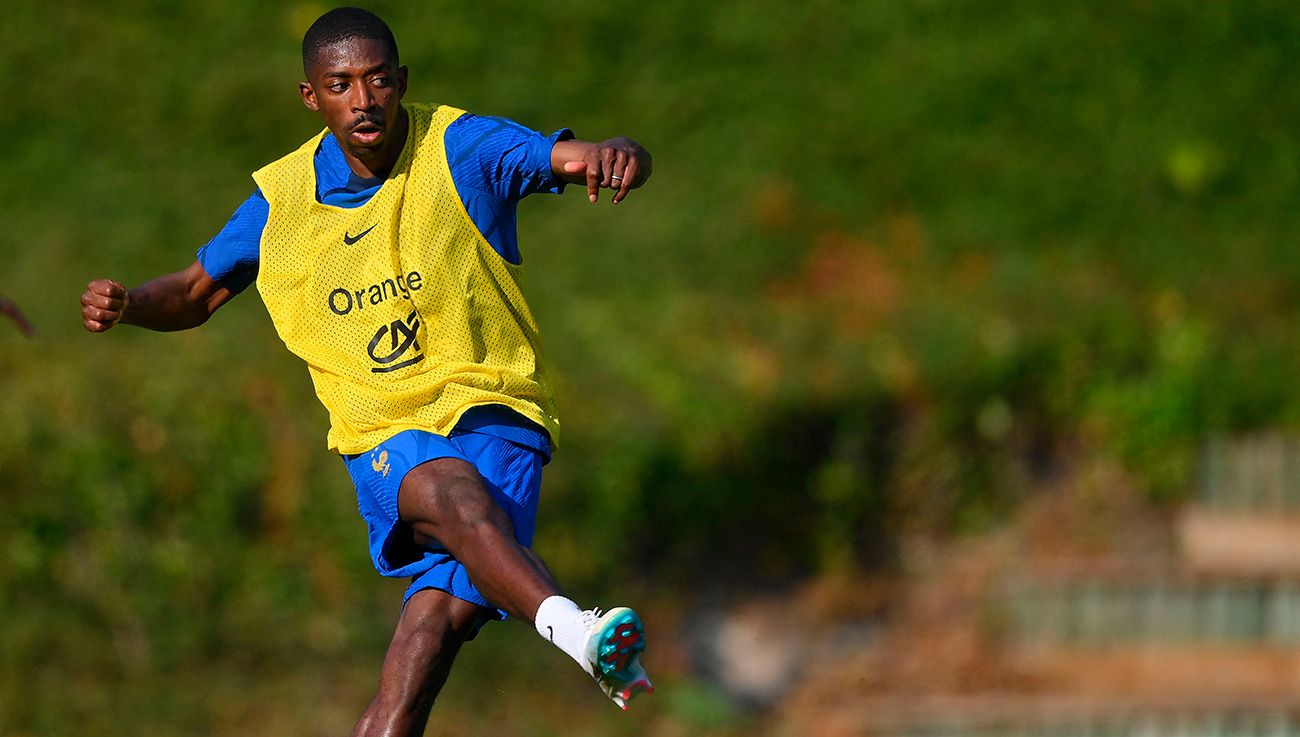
362, 98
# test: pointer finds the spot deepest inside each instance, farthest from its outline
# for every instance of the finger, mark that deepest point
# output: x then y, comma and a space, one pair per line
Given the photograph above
618, 178
607, 156
616, 169
94, 326
97, 315
629, 176
107, 287
593, 177
573, 167
90, 299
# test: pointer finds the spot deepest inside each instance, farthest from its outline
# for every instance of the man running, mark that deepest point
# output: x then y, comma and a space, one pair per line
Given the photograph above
385, 251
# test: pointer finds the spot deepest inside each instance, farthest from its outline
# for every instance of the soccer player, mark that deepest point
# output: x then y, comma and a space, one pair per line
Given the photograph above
385, 250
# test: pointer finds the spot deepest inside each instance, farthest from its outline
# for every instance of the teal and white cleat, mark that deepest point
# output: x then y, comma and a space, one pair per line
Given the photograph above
615, 642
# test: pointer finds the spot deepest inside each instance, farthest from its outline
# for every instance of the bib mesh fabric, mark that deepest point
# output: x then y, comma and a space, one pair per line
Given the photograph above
404, 313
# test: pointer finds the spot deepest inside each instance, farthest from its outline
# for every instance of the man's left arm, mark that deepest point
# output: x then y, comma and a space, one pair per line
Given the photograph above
620, 164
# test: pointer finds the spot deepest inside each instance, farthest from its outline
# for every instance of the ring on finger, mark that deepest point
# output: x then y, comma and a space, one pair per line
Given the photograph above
615, 176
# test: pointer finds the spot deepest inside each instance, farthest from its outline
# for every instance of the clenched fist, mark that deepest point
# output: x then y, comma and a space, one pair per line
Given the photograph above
102, 304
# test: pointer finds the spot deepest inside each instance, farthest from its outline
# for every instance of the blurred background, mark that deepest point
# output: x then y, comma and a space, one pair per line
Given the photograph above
941, 381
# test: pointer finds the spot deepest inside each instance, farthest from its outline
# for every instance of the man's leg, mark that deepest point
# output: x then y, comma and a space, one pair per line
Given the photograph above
446, 503
429, 633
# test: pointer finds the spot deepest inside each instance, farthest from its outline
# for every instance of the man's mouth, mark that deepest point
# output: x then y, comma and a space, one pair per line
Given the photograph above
367, 132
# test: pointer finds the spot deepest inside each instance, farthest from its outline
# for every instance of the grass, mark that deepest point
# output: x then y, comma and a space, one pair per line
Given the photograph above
896, 258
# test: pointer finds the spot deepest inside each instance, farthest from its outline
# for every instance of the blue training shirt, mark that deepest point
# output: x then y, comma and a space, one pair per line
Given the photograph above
494, 164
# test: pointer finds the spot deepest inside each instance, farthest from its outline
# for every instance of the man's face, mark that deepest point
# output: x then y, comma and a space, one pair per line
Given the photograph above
357, 88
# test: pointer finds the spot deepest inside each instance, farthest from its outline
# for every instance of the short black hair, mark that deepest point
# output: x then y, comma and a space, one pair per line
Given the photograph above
343, 24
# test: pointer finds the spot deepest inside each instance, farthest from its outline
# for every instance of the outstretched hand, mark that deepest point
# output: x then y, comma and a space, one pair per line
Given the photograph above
620, 164
102, 304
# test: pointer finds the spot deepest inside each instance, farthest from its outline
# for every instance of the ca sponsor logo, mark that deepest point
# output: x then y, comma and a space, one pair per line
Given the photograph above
395, 352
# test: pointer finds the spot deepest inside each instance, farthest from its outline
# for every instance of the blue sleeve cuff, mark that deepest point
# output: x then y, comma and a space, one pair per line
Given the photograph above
232, 256
555, 185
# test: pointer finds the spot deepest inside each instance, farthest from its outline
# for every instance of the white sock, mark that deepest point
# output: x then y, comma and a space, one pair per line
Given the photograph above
559, 621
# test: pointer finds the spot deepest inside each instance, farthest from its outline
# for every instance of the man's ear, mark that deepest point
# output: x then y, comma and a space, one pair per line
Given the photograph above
308, 96
401, 82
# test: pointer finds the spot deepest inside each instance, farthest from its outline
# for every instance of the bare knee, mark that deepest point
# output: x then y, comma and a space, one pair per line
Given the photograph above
429, 634
430, 631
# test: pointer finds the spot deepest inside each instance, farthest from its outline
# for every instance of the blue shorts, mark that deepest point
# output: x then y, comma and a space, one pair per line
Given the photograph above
512, 474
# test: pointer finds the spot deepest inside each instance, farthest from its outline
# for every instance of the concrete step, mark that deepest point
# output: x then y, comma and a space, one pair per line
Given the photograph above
1213, 725
1239, 543
1107, 611
1012, 716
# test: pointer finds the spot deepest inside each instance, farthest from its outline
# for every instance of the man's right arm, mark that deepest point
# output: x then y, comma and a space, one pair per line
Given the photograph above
185, 299
225, 267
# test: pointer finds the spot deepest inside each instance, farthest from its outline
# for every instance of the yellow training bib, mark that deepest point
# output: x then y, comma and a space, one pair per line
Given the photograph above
405, 314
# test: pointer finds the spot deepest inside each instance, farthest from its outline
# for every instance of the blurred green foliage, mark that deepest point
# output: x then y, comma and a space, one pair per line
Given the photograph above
899, 263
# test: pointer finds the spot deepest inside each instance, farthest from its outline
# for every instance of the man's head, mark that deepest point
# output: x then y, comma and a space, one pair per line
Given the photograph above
345, 24
354, 80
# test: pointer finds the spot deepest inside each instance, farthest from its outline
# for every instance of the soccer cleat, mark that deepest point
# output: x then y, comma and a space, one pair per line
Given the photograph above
615, 642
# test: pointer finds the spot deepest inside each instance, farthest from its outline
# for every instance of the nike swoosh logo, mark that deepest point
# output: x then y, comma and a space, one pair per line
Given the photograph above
350, 239
550, 633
